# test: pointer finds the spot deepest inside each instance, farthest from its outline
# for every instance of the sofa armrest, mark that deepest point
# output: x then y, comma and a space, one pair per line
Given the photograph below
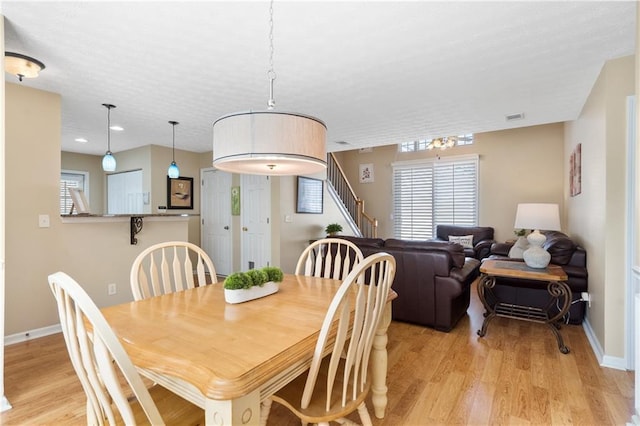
501, 249
469, 269
483, 248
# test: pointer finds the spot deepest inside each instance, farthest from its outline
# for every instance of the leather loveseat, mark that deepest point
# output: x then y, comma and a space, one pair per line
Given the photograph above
480, 246
433, 279
564, 252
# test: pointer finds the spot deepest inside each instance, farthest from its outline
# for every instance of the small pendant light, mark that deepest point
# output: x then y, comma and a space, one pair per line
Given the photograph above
108, 161
173, 171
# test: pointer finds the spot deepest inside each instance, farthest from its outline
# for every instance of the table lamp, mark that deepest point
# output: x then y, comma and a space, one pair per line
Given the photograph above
537, 216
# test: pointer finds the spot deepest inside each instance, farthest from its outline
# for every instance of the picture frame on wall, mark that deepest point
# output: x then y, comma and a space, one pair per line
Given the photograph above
310, 195
180, 193
366, 173
575, 171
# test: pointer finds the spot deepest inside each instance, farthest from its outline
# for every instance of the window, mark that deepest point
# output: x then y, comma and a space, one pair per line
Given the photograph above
71, 179
422, 145
432, 192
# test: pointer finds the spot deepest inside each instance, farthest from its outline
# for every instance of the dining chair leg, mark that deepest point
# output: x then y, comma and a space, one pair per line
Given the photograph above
365, 418
265, 408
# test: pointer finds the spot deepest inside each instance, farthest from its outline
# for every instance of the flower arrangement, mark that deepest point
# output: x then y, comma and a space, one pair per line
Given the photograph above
520, 232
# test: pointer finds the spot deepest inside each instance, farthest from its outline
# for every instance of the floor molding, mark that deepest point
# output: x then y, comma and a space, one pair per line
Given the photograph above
604, 360
31, 334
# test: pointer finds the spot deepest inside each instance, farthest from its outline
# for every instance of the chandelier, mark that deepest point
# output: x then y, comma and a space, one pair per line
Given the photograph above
269, 142
442, 143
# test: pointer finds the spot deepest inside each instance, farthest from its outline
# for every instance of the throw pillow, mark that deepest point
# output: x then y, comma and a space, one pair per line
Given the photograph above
463, 240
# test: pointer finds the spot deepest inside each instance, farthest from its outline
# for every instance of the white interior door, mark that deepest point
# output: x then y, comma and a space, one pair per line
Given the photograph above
215, 206
255, 210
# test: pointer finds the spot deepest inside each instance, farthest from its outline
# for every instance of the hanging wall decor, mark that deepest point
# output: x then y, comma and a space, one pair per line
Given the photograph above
575, 171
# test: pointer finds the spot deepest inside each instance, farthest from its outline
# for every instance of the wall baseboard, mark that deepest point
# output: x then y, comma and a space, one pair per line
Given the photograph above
32, 334
604, 360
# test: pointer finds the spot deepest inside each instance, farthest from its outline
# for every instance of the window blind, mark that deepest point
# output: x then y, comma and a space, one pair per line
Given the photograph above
69, 180
429, 193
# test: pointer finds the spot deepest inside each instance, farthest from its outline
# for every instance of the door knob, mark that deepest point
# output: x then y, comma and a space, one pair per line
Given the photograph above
244, 228
226, 227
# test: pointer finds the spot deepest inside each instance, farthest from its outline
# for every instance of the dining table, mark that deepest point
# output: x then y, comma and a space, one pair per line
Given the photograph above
228, 358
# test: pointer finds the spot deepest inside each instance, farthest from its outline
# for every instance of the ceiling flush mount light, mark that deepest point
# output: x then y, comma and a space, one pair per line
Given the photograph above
442, 143
22, 66
173, 171
269, 142
108, 161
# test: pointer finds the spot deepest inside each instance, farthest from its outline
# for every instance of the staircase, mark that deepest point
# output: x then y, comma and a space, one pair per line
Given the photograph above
351, 206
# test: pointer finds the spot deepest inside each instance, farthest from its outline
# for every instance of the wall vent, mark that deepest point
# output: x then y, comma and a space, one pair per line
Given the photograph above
518, 116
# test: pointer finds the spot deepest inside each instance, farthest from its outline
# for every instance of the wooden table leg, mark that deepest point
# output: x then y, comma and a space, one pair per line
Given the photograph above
244, 410
379, 363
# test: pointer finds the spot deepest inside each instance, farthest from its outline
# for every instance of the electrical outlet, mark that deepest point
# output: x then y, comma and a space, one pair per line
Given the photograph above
586, 297
111, 289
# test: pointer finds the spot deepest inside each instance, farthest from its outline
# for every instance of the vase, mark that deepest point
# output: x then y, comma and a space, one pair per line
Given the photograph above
518, 249
246, 294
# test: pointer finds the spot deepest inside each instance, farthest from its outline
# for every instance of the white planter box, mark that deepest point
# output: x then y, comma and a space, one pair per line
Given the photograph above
255, 292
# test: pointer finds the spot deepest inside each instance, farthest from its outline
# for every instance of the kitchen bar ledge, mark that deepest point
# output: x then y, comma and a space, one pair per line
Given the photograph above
135, 220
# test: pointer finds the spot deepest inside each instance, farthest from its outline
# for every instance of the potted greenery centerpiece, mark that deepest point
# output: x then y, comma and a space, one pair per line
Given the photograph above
332, 229
243, 286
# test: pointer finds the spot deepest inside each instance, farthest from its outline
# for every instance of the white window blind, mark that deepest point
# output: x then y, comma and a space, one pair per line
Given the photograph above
71, 179
429, 193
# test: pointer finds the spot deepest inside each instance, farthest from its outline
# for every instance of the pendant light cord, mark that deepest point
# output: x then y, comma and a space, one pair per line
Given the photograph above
271, 73
108, 107
173, 145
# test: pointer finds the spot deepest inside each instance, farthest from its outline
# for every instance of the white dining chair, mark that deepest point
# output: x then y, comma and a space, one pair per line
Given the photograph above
167, 267
329, 258
337, 385
106, 372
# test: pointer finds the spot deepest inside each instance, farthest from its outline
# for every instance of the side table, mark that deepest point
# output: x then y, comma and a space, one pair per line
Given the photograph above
559, 293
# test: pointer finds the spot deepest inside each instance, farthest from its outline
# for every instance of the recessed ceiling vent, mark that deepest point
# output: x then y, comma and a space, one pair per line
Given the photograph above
342, 142
518, 116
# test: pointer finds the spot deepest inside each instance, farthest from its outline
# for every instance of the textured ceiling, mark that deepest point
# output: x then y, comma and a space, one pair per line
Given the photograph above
375, 72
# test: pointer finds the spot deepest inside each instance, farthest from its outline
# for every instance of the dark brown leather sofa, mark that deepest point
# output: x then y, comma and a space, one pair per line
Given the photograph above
564, 252
432, 279
482, 238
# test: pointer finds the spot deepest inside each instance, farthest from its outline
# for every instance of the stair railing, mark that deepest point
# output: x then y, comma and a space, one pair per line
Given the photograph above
335, 176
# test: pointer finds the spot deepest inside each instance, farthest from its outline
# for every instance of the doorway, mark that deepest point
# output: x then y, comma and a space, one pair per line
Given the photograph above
216, 226
256, 222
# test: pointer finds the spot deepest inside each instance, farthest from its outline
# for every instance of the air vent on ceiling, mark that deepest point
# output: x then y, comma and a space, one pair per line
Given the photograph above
518, 116
342, 143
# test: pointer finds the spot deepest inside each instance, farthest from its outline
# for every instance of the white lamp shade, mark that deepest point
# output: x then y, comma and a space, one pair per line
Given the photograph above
538, 216
269, 143
109, 162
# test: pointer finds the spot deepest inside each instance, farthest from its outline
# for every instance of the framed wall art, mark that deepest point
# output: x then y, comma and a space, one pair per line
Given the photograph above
310, 195
366, 173
235, 201
575, 171
180, 193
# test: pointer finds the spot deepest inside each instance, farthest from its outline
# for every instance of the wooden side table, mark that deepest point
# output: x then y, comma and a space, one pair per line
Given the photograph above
558, 289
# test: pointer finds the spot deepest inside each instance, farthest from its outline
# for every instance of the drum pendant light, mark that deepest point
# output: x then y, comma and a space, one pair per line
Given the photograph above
108, 161
173, 171
269, 142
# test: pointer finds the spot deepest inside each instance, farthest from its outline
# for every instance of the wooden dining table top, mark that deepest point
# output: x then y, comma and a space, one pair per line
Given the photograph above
224, 350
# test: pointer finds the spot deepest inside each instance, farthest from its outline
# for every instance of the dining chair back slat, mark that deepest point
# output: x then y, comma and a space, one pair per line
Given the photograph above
167, 267
329, 258
104, 367
338, 383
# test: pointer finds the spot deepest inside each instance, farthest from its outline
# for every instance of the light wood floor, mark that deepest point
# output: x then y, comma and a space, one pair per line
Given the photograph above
514, 375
